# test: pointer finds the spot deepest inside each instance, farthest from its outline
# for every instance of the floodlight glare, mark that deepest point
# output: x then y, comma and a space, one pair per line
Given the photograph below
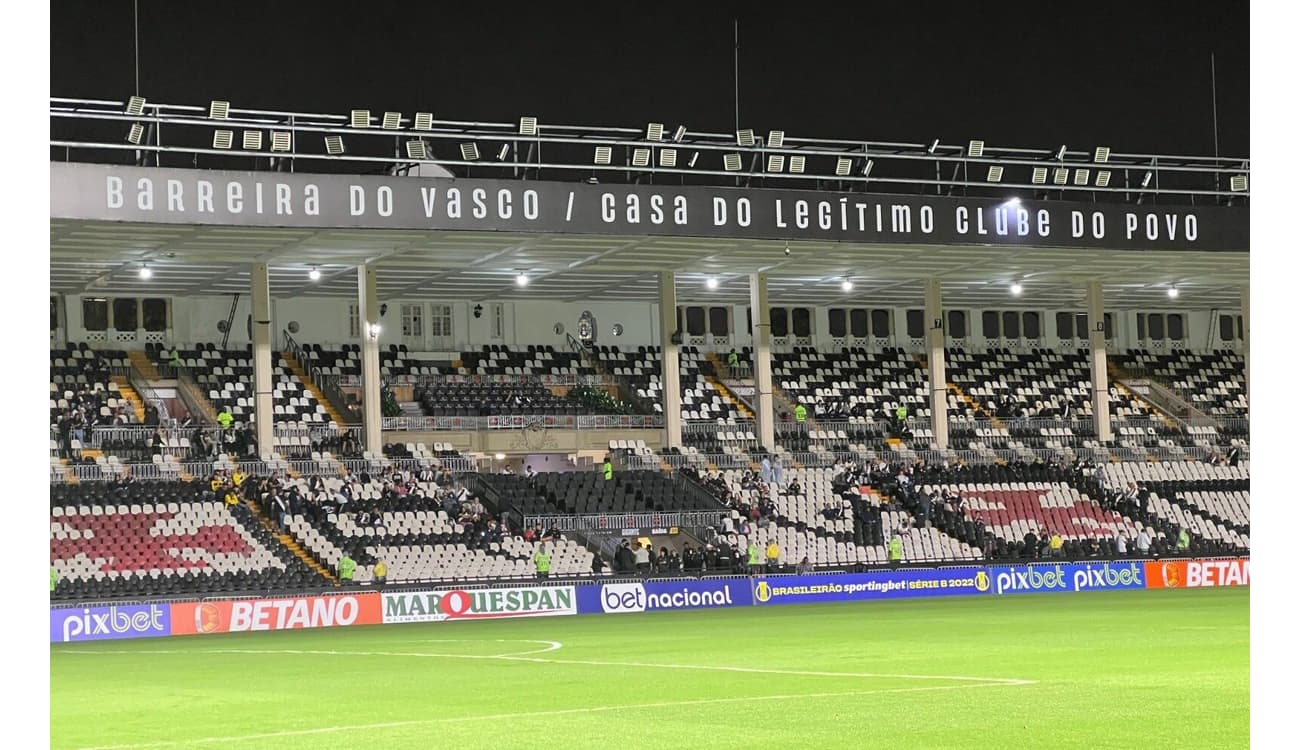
528, 126
334, 145
797, 164
314, 274
417, 150
668, 157
252, 140
219, 110
1016, 288
679, 134
136, 134
995, 173
776, 138
1101, 155
745, 137
654, 131
731, 162
503, 152
423, 121
1040, 176
640, 157
1103, 178
223, 139
975, 150
521, 279
135, 106
711, 282
1173, 291
146, 272
846, 285
603, 154
391, 121
360, 118
843, 166
775, 163
469, 151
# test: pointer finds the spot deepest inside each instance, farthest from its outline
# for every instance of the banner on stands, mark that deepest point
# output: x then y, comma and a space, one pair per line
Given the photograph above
109, 623
1059, 577
235, 616
479, 604
637, 596
1191, 574
892, 584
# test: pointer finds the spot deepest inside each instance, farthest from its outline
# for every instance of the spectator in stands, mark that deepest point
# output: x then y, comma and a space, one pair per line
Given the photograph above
1184, 540
624, 559
733, 360
895, 550
751, 555
381, 573
765, 469
773, 556
607, 469
924, 504
642, 556
690, 558
347, 566
800, 413
1056, 544
804, 567
1234, 454
542, 560
225, 418
1143, 542
778, 471
1121, 544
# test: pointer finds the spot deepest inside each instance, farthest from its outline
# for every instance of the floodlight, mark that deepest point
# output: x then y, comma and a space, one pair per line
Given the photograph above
797, 164
1060, 153
146, 272
846, 285
679, 134
501, 456
1146, 180
1101, 155
136, 134
731, 162
1103, 178
668, 157
334, 145
1060, 175
995, 173
528, 126
135, 106
603, 154
417, 150
314, 274
775, 163
219, 110
1081, 176
1040, 176
423, 121
711, 282
866, 168
694, 158
933, 146
281, 140
252, 140
469, 151
1016, 288
776, 138
654, 131
391, 121
745, 138
640, 157
223, 139
1239, 183
503, 152
843, 166
360, 118
975, 150
521, 279
1173, 291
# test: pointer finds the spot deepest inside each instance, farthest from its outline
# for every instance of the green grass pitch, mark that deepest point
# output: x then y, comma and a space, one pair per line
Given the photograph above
1163, 669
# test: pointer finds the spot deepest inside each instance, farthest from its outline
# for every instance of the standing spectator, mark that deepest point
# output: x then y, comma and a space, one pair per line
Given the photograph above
642, 556
804, 567
597, 564
778, 472
895, 550
765, 469
1143, 542
773, 556
800, 414
381, 573
751, 553
1184, 540
608, 469
1056, 544
347, 566
542, 559
1121, 544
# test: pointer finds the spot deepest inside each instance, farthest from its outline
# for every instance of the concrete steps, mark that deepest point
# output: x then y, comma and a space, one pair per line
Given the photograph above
127, 392
311, 387
141, 363
290, 543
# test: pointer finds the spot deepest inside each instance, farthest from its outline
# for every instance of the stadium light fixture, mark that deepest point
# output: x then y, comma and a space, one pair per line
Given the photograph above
679, 134
1017, 288
1012, 202
995, 173
360, 118
745, 138
711, 282
1060, 153
1146, 180
731, 162
314, 274
694, 158
334, 145
797, 164
503, 152
1060, 175
280, 140
604, 154
252, 140
776, 138
866, 168
1103, 178
1239, 183
500, 456
521, 279
843, 166
654, 131
775, 162
933, 147
528, 126
469, 151
1101, 155
1039, 176
846, 285
145, 271
640, 157
374, 329
668, 157
219, 110
975, 149
1172, 292
417, 150
135, 134
1081, 176
223, 139
423, 121
135, 106
391, 121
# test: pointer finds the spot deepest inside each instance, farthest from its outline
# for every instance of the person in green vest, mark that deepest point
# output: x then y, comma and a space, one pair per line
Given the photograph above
895, 550
800, 413
381, 573
1184, 541
225, 418
542, 559
608, 469
754, 561
733, 360
176, 358
901, 413
347, 566
54, 579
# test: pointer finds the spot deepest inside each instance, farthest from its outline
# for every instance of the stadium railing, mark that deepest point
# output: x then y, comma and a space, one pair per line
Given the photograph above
526, 421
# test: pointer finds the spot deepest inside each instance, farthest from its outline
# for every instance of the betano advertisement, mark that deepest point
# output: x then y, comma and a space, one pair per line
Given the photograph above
616, 598
1191, 574
479, 604
245, 615
1061, 577
894, 584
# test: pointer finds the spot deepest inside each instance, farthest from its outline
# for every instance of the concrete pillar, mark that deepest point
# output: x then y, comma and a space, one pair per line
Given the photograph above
671, 371
1097, 351
263, 381
934, 341
1245, 334
372, 406
760, 315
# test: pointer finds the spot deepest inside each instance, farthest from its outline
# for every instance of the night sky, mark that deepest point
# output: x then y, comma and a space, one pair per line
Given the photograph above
1133, 76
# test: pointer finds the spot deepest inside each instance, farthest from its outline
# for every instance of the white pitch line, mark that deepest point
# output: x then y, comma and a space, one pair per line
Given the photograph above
533, 714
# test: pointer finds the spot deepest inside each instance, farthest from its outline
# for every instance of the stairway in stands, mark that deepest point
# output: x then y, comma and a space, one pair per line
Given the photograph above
292, 362
141, 363
127, 392
289, 542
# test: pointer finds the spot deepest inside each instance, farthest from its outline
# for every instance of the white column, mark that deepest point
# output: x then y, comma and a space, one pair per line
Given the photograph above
1245, 334
934, 340
372, 406
760, 315
263, 383
671, 371
1097, 349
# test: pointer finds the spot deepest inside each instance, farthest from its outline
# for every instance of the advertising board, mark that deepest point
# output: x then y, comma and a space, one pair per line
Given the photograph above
891, 584
1039, 578
479, 604
1191, 574
638, 596
234, 616
109, 623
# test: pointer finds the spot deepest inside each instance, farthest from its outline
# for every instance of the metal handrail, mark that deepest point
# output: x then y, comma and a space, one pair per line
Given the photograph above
526, 421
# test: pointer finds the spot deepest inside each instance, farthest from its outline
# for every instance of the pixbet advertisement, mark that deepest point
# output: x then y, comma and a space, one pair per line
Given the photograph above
109, 623
897, 584
637, 596
235, 616
1064, 577
479, 604
1192, 574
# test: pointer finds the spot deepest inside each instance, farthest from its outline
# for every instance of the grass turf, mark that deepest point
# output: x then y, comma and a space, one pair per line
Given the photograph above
1123, 669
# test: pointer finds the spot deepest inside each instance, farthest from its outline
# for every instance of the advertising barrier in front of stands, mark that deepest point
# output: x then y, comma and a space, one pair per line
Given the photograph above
479, 604
891, 584
1191, 574
233, 616
109, 623
638, 596
1041, 578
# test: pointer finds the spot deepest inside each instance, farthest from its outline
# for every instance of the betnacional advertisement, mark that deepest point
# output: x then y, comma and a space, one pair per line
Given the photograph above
893, 584
109, 623
1192, 574
1067, 577
479, 604
649, 596
237, 616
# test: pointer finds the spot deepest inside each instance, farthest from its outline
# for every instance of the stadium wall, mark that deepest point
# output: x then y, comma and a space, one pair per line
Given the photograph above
438, 604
